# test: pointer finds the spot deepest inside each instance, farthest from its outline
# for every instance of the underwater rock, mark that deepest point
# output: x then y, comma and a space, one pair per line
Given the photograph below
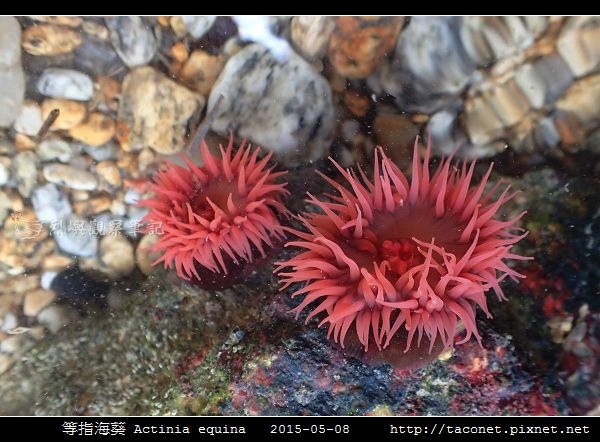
578, 44
30, 119
50, 40
543, 80
359, 44
429, 64
154, 111
12, 78
310, 35
71, 112
65, 83
201, 70
582, 100
70, 176
134, 39
24, 169
50, 203
98, 129
76, 237
294, 122
52, 148
198, 25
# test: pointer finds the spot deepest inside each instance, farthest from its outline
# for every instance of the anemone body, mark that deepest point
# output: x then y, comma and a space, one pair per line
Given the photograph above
218, 216
388, 257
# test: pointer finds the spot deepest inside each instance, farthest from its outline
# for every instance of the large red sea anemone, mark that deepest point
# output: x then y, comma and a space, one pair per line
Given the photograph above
217, 216
386, 254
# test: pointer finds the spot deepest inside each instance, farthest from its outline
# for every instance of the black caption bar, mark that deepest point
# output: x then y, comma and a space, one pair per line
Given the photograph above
482, 429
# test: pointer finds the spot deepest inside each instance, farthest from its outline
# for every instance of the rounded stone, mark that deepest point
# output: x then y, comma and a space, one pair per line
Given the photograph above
30, 119
50, 40
154, 111
71, 112
133, 39
65, 83
259, 104
36, 301
70, 176
98, 129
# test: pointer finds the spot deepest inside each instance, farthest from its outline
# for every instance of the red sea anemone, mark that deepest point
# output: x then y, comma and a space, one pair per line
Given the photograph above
386, 254
216, 216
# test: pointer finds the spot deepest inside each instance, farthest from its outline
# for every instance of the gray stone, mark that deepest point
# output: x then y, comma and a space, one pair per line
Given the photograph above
51, 149
30, 118
76, 237
107, 151
69, 176
544, 80
10, 42
429, 64
198, 25
285, 107
24, 170
50, 203
65, 83
4, 174
133, 39
12, 92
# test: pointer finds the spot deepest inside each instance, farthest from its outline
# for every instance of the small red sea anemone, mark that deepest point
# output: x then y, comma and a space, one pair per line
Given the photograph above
216, 216
386, 254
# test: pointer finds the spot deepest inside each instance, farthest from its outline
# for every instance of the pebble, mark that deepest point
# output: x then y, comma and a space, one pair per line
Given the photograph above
310, 35
55, 317
197, 25
12, 344
261, 106
92, 206
50, 203
544, 80
154, 111
12, 92
76, 237
133, 39
36, 301
69, 176
201, 71
52, 148
578, 44
55, 262
96, 30
481, 121
107, 151
359, 44
5, 362
65, 83
144, 256
47, 278
116, 256
12, 78
582, 99
50, 40
429, 64
98, 129
10, 38
30, 119
71, 112
9, 322
24, 170
109, 174
4, 175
